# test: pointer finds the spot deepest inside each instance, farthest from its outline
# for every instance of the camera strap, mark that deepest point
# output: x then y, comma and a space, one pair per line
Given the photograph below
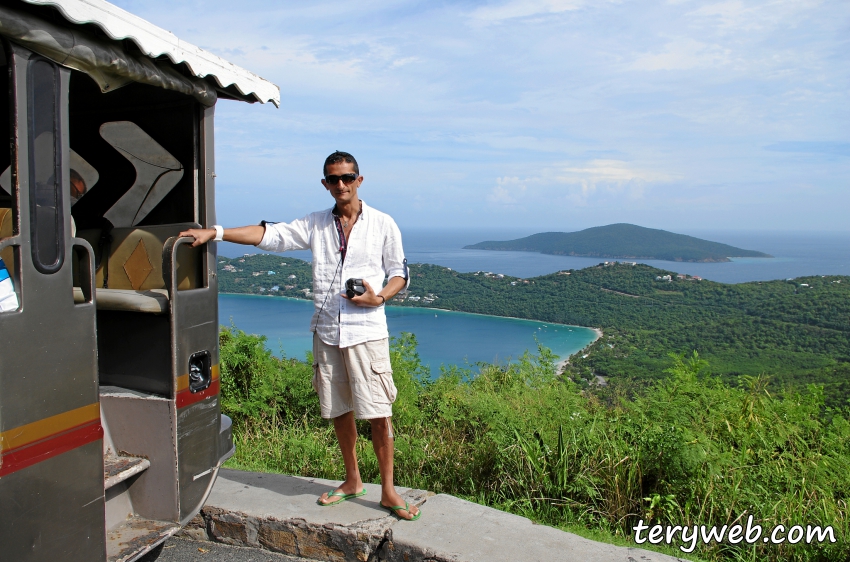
342, 249
343, 243
330, 290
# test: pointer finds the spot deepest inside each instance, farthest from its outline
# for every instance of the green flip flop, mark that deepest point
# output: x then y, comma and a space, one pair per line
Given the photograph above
337, 494
396, 508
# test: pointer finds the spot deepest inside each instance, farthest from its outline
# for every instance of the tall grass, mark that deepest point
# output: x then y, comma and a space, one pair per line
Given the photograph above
687, 450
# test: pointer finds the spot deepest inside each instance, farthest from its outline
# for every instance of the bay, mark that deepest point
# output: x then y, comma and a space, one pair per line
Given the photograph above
445, 338
796, 254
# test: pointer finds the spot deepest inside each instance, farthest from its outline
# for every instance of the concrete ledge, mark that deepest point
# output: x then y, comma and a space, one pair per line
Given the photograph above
460, 530
279, 513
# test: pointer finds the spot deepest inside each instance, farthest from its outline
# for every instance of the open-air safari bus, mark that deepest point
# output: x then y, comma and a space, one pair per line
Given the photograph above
110, 427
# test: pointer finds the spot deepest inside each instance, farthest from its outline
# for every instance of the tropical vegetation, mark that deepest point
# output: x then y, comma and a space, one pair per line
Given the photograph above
796, 330
684, 449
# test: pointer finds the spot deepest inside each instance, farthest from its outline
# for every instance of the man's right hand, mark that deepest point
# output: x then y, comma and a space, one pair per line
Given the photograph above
201, 235
248, 235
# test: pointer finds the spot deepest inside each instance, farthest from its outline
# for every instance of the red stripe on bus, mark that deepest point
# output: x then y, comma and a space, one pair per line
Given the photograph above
186, 398
28, 455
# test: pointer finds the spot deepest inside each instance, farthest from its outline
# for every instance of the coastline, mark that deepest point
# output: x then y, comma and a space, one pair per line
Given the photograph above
561, 365
496, 316
263, 296
596, 330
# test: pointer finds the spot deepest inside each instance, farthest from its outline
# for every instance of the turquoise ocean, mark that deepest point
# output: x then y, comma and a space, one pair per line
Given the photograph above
445, 338
796, 254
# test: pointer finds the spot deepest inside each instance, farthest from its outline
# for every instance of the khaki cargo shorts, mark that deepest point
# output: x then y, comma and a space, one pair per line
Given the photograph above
357, 378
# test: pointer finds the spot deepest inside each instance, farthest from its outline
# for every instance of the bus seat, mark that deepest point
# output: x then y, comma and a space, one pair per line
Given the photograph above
134, 267
154, 301
135, 258
7, 254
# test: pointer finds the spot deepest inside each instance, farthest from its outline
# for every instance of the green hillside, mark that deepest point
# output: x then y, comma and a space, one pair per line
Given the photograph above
623, 241
797, 331
267, 274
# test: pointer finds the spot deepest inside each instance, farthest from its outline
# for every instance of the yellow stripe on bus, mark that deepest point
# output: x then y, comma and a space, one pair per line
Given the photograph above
183, 380
35, 431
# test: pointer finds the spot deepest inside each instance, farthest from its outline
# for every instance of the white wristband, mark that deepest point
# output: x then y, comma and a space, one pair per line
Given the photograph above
219, 233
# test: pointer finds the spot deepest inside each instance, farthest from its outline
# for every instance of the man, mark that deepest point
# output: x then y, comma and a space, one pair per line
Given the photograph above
352, 373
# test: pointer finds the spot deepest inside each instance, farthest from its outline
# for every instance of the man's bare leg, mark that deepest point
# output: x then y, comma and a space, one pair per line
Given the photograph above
346, 435
384, 449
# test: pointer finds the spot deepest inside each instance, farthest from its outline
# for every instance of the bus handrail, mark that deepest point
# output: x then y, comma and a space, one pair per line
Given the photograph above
89, 292
10, 241
169, 265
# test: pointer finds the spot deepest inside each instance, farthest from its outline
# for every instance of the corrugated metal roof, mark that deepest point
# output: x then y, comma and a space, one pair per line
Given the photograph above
119, 24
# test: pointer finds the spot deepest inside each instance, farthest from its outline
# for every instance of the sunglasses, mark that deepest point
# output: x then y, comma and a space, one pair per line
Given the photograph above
346, 179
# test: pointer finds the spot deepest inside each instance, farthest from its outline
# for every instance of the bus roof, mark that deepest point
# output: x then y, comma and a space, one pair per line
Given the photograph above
155, 42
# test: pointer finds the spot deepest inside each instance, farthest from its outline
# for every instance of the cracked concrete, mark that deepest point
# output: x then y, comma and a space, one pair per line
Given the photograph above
279, 513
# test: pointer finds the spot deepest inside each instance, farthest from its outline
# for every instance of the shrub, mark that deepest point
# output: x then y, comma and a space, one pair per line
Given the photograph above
686, 449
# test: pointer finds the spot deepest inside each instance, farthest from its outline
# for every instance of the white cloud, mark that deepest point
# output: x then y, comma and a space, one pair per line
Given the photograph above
610, 177
611, 171
403, 62
683, 54
507, 190
580, 185
523, 8
740, 16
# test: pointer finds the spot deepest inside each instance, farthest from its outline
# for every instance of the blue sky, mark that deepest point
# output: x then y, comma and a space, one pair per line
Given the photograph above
537, 114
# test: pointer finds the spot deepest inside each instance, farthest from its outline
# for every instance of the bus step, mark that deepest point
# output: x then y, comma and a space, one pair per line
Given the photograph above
117, 468
135, 537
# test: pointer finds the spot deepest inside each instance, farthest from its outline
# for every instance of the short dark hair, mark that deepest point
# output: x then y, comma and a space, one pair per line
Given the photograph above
338, 157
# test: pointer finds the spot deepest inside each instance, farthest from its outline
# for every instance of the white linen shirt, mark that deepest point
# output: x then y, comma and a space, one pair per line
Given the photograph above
374, 253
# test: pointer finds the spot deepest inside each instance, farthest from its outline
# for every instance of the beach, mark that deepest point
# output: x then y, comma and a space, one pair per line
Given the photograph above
561, 365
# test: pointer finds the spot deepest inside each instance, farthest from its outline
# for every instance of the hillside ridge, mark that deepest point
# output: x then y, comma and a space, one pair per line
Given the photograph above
622, 241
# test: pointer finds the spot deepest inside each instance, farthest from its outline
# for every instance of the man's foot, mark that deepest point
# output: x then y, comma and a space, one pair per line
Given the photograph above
344, 492
400, 507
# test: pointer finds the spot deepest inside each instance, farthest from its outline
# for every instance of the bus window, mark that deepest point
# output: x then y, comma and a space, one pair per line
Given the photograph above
45, 167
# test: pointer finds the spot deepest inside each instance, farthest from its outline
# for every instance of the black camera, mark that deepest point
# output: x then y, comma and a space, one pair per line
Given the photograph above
354, 287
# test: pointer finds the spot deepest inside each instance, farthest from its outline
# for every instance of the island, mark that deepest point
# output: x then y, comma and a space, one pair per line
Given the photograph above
622, 241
